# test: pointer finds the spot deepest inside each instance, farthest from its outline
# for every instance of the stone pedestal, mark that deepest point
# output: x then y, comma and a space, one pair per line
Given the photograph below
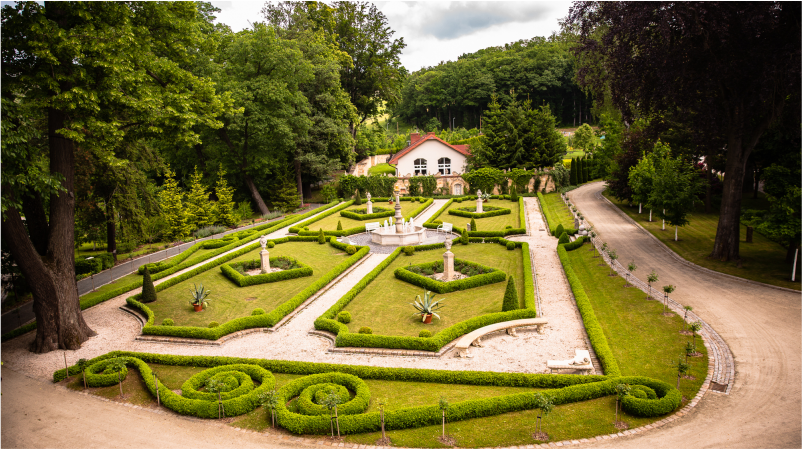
265, 255
398, 218
448, 266
370, 207
479, 202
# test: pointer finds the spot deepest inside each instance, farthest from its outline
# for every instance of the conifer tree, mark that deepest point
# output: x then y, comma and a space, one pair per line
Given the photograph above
473, 225
572, 181
321, 237
494, 126
224, 209
172, 207
563, 239
286, 198
199, 208
339, 225
148, 290
464, 236
510, 297
357, 199
559, 230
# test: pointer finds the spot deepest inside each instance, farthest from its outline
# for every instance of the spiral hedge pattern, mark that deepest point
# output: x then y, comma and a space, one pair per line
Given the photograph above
243, 383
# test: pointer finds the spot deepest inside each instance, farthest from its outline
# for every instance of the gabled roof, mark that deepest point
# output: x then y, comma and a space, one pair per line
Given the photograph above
463, 149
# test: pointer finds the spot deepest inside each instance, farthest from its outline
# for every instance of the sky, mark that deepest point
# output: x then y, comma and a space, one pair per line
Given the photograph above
436, 31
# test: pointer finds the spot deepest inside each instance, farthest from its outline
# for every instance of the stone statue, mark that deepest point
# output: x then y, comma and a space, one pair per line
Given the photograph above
367, 195
263, 242
448, 244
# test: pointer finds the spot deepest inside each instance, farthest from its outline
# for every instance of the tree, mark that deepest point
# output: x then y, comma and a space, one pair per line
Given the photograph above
574, 179
545, 404
631, 267
331, 401
117, 365
484, 179
511, 301
473, 225
199, 208
286, 197
321, 237
651, 277
543, 143
583, 137
667, 290
695, 327
563, 239
641, 181
148, 290
270, 399
657, 58
676, 188
621, 390
172, 206
224, 208
443, 404
88, 75
82, 365
613, 255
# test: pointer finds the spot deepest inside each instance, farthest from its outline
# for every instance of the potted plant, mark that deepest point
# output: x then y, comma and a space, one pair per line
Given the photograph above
485, 197
199, 297
426, 307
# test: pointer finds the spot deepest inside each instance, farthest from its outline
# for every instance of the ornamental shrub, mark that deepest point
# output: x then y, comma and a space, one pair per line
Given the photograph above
350, 250
508, 227
321, 237
357, 200
559, 231
258, 311
510, 246
365, 330
464, 236
473, 225
339, 225
424, 334
344, 317
213, 324
167, 322
563, 239
271, 244
409, 250
510, 297
148, 290
514, 195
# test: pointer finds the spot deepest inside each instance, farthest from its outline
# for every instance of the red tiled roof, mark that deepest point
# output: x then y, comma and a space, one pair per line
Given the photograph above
463, 149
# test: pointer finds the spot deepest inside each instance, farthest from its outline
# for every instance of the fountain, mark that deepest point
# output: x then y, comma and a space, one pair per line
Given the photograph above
402, 234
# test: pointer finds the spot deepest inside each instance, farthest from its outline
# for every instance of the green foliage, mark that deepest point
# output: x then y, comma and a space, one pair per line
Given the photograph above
510, 301
473, 225
199, 296
213, 324
583, 137
484, 179
470, 212
365, 330
362, 215
464, 237
357, 199
321, 238
510, 246
199, 208
148, 290
350, 250
224, 208
425, 333
258, 311
286, 198
422, 185
339, 225
168, 322
487, 276
409, 250
559, 231
244, 281
563, 239
344, 317
172, 207
271, 244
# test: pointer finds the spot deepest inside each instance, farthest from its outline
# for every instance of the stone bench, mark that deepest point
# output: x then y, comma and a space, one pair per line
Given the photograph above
580, 362
475, 338
372, 226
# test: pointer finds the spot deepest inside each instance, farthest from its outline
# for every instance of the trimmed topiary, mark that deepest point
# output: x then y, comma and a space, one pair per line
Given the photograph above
563, 239
350, 250
344, 317
271, 244
357, 200
168, 322
409, 250
148, 289
258, 311
510, 297
464, 236
510, 246
365, 330
424, 334
473, 225
339, 225
559, 230
514, 195
321, 237
213, 324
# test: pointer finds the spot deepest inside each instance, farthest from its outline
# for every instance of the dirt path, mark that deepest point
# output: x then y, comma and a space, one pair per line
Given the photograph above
762, 326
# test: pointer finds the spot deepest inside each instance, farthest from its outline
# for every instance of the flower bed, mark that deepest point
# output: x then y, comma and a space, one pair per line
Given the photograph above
478, 275
363, 215
470, 212
290, 269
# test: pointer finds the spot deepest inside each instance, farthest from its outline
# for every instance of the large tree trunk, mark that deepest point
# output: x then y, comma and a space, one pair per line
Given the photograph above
726, 246
255, 194
298, 179
60, 324
111, 231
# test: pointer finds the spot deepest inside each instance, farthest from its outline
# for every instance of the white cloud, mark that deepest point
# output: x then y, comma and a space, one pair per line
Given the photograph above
436, 31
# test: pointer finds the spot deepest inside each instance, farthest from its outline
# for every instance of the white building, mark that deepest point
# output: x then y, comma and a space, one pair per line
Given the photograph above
429, 155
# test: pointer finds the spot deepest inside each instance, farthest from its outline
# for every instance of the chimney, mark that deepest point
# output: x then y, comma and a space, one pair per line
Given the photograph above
414, 137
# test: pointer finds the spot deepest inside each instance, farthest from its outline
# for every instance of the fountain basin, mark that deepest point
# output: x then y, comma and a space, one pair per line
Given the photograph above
388, 237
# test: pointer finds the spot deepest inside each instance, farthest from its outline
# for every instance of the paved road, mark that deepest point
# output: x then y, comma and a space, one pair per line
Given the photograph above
761, 325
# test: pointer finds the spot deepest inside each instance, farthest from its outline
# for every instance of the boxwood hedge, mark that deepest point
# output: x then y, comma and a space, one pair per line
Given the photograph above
551, 221
433, 222
490, 213
381, 213
245, 281
493, 276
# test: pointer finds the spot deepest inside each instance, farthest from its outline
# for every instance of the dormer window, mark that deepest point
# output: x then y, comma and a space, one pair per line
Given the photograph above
444, 166
420, 167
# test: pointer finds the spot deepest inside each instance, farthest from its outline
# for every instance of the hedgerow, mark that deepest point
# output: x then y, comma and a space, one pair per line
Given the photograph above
491, 212
510, 231
491, 276
552, 222
245, 281
379, 212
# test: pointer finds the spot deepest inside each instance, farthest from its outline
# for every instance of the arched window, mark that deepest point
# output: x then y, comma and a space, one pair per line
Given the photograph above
444, 166
420, 167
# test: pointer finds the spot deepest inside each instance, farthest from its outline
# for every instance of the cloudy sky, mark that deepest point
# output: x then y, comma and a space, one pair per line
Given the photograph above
441, 31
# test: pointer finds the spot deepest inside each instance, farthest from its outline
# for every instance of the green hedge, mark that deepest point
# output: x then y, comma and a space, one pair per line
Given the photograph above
157, 267
248, 322
575, 244
490, 213
433, 222
552, 222
562, 388
328, 321
90, 300
594, 330
492, 277
359, 229
245, 281
364, 217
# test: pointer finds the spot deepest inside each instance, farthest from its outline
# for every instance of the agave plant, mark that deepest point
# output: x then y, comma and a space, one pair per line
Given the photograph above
199, 295
427, 305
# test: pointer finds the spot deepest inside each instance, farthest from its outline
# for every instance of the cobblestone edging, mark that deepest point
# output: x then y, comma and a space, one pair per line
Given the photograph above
722, 370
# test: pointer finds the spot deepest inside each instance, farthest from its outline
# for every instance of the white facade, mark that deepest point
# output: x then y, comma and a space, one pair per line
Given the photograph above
429, 158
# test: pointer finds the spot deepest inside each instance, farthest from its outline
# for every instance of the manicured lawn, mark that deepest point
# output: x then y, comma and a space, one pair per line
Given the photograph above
762, 260
330, 223
643, 341
229, 301
497, 223
556, 212
392, 297
381, 169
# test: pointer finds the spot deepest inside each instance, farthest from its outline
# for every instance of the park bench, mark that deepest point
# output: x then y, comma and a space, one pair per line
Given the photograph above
445, 227
345, 241
372, 226
580, 362
475, 338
